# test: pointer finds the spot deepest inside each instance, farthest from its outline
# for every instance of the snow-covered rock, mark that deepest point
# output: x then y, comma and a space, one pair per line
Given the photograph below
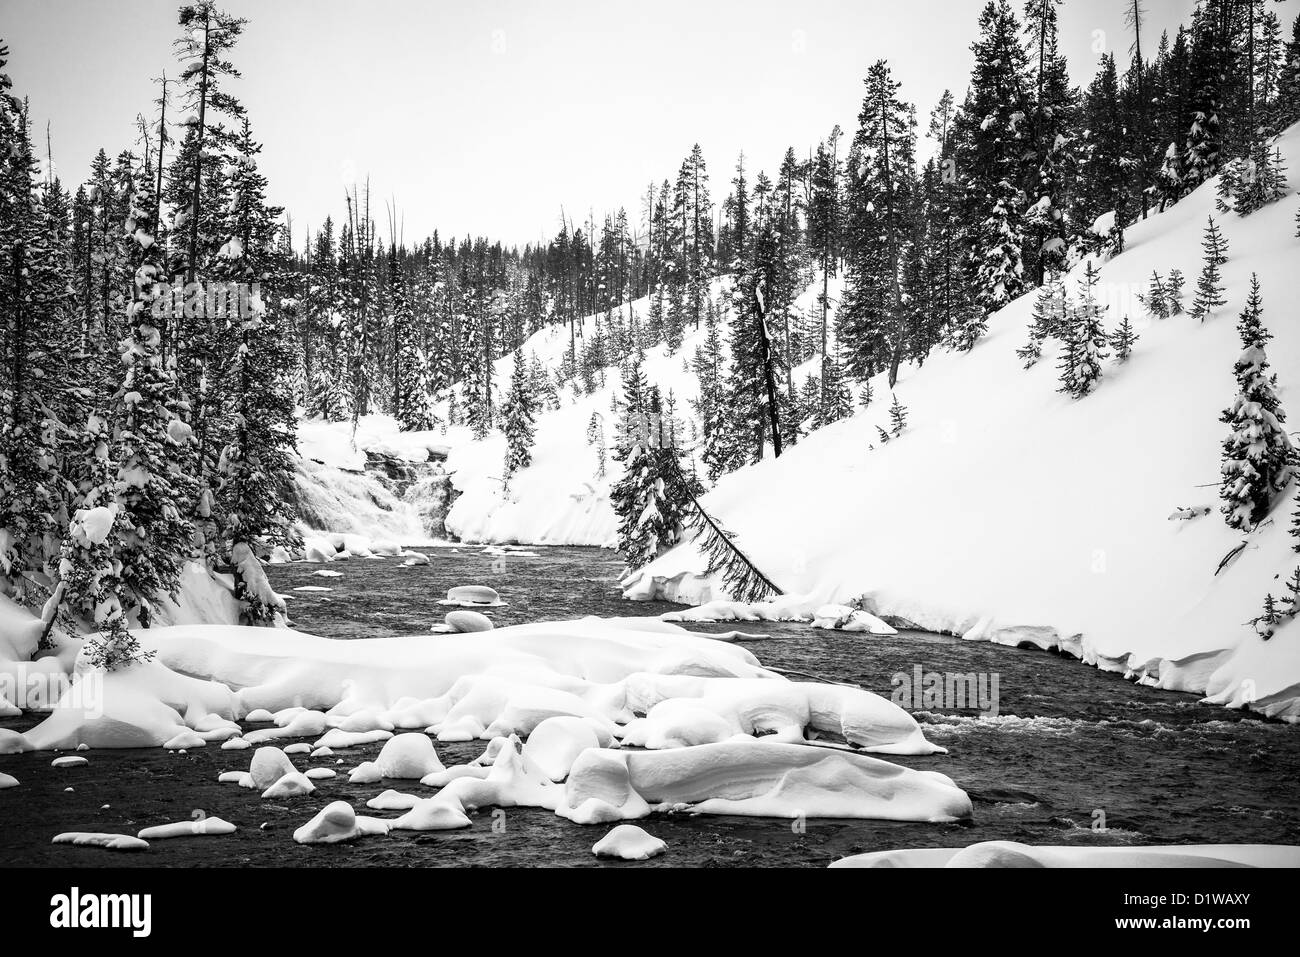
204, 826
269, 765
293, 784
110, 842
556, 743
338, 822
440, 813
629, 843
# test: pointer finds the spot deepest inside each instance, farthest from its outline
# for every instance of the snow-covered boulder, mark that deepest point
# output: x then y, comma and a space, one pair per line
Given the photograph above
556, 743
467, 621
629, 843
269, 765
338, 822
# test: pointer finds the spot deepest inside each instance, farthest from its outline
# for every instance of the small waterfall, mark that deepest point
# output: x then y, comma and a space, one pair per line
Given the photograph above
424, 486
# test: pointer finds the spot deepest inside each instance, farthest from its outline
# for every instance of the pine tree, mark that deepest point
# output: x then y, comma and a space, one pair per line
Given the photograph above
897, 417
1209, 287
994, 149
1258, 455
1156, 299
1085, 338
34, 300
835, 401
1048, 320
519, 414
1175, 292
1122, 340
257, 461
882, 210
596, 438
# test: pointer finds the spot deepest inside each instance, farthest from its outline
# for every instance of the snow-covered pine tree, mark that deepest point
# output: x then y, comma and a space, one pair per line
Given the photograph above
256, 463
151, 441
90, 568
34, 295
1258, 456
1286, 104
1048, 319
1122, 340
836, 401
650, 514
897, 417
865, 394
882, 207
1175, 292
519, 414
1209, 286
993, 155
596, 439
1156, 299
1084, 341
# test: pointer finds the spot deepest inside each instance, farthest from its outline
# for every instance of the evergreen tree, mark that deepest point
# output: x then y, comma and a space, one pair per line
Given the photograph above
257, 462
1258, 455
1156, 299
1209, 287
1175, 292
1085, 338
519, 414
1122, 340
882, 206
897, 417
993, 138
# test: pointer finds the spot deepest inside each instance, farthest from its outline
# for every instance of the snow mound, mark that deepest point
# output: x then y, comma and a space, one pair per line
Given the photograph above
186, 739
1013, 854
467, 622
321, 774
629, 843
7, 781
205, 826
293, 784
556, 743
269, 765
110, 842
441, 813
338, 822
72, 761
753, 778
684, 710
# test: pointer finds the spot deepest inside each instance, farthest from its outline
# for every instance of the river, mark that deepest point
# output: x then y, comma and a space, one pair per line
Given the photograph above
1074, 756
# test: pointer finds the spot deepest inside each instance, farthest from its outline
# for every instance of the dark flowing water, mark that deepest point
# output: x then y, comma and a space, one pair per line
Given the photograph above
1071, 751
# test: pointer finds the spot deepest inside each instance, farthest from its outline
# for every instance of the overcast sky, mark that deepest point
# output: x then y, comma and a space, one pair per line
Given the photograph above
487, 117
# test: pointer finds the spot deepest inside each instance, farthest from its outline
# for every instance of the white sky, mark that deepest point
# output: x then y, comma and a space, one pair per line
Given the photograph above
487, 117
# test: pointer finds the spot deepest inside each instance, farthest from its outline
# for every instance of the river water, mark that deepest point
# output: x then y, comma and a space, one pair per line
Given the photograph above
1074, 756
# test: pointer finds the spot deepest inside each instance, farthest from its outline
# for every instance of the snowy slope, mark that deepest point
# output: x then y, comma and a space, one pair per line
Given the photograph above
560, 499
1011, 513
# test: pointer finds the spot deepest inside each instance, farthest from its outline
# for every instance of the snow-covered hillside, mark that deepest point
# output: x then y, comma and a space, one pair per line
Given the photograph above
1009, 512
1006, 511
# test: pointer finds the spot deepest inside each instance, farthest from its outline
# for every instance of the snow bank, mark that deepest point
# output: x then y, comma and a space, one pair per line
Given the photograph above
1013, 854
1009, 512
756, 778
